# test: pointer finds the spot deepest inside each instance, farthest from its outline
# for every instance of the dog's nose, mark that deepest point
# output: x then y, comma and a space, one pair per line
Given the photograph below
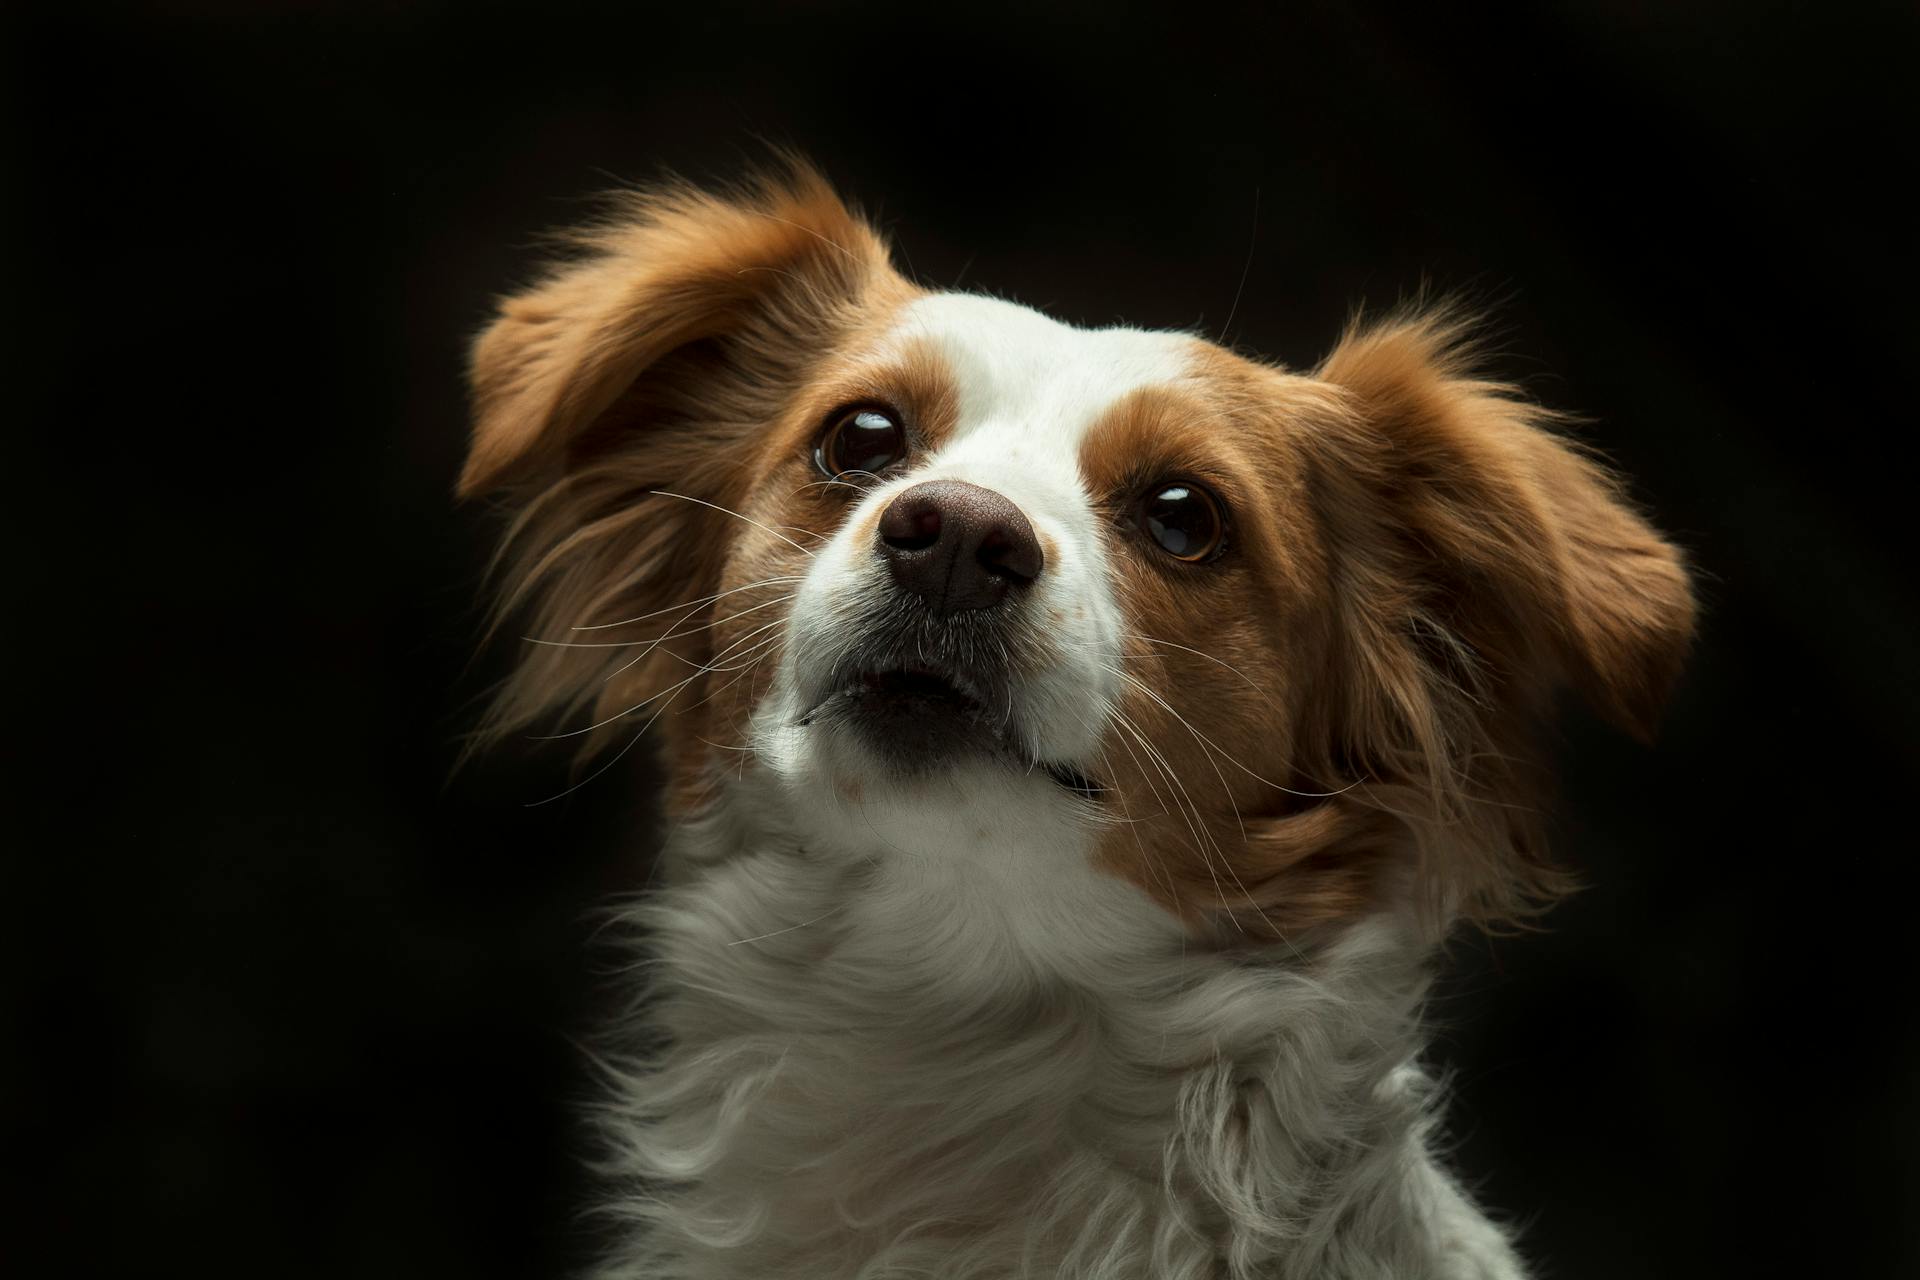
958, 546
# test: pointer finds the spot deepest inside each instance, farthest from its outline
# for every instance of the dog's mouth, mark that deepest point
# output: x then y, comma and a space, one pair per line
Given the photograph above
916, 688
921, 718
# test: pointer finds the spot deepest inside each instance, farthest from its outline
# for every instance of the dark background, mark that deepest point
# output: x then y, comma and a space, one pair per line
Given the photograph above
283, 997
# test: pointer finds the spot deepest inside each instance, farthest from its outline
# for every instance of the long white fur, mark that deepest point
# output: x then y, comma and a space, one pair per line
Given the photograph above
908, 1029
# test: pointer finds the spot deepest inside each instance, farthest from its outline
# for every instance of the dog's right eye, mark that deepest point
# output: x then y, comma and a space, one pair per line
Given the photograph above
865, 438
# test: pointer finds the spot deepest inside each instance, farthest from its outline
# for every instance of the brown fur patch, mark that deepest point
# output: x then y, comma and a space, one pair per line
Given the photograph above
1200, 756
1415, 561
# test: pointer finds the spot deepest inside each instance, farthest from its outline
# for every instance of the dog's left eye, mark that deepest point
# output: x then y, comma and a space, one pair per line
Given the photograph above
1183, 519
864, 438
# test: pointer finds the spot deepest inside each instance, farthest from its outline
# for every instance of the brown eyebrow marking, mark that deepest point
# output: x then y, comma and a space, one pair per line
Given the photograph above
1159, 431
912, 376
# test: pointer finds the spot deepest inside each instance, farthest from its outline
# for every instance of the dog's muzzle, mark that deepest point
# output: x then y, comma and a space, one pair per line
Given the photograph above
933, 665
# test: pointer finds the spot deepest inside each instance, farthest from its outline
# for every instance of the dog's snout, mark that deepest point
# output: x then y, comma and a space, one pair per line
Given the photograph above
958, 546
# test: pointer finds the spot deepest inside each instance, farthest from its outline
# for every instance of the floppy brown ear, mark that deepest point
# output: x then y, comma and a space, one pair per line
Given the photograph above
774, 267
1531, 553
620, 401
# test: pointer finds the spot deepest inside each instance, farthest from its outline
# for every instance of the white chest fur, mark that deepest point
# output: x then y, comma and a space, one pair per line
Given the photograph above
899, 1066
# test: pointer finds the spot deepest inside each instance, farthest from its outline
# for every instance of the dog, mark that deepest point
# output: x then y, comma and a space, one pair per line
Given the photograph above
1078, 745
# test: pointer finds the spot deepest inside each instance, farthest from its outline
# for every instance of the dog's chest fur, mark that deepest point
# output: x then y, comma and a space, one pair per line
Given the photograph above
859, 1075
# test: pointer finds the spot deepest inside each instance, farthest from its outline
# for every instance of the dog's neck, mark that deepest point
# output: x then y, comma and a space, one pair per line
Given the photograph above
923, 1059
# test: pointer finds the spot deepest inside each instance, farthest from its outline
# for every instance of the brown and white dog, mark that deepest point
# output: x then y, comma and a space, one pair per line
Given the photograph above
1080, 742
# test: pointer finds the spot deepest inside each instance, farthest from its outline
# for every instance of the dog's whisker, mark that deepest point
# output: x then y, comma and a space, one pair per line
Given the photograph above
638, 657
738, 647
1143, 687
631, 742
1225, 861
759, 630
1239, 822
616, 716
693, 604
662, 493
1185, 809
673, 689
654, 640
1141, 635
763, 649
1226, 755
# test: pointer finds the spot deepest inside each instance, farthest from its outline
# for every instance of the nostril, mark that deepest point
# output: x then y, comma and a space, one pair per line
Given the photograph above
910, 527
1013, 554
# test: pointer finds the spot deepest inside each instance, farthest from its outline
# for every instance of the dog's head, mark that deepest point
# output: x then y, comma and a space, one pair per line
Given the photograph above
1267, 644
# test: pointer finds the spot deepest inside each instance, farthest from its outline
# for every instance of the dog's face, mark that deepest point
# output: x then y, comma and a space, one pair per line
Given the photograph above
949, 575
1025, 571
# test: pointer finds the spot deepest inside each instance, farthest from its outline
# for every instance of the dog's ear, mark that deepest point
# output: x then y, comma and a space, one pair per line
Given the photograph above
621, 403
1483, 561
1517, 543
770, 270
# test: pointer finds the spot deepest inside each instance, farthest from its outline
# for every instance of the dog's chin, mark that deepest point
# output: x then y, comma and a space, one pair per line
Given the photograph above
913, 723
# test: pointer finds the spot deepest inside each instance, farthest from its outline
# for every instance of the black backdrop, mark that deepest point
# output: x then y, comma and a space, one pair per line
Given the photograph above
285, 999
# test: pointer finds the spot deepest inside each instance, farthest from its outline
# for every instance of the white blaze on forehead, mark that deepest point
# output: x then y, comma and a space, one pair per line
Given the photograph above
1032, 383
